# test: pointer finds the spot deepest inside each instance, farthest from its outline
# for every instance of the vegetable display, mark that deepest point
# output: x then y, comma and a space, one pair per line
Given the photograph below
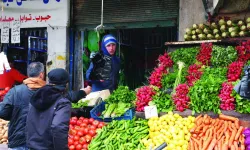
81, 132
204, 93
170, 128
222, 133
119, 102
80, 104
218, 30
221, 56
143, 96
3, 131
227, 100
163, 102
246, 132
124, 134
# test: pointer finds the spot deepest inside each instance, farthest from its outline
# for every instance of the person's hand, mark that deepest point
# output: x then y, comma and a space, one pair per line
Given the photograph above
101, 80
87, 90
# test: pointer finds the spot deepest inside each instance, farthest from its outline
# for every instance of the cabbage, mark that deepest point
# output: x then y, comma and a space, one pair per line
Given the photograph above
246, 132
247, 141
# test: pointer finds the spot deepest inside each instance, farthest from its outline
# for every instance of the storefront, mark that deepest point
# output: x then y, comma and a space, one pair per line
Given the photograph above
141, 28
35, 31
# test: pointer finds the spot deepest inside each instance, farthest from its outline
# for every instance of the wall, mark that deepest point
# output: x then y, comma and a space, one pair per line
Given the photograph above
190, 12
57, 46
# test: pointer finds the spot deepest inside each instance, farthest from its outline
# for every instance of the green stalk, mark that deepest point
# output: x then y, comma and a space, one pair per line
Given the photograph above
195, 26
248, 26
201, 36
222, 22
223, 28
188, 31
202, 26
225, 34
198, 31
240, 23
215, 31
178, 78
187, 37
214, 25
242, 33
233, 29
248, 20
194, 37
207, 31
193, 32
243, 28
234, 34
217, 37
210, 36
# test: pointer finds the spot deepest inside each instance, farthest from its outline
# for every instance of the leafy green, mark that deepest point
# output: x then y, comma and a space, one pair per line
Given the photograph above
121, 94
204, 93
222, 57
185, 55
80, 104
168, 80
163, 102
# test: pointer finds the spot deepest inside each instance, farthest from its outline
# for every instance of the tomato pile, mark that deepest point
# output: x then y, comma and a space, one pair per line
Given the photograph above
81, 132
3, 92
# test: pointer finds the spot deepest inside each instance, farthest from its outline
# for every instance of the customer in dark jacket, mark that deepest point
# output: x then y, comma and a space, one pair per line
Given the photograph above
48, 118
104, 69
16, 104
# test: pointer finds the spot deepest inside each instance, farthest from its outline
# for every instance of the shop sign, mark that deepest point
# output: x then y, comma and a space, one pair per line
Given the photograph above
41, 13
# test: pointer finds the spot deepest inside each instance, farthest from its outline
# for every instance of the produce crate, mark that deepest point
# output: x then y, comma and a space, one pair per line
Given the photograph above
81, 112
97, 111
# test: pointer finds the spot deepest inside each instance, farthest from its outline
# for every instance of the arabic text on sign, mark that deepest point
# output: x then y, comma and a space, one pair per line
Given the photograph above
15, 32
25, 18
19, 2
5, 32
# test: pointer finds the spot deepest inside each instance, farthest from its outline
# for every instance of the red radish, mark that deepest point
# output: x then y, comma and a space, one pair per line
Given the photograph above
227, 101
180, 97
143, 97
205, 53
234, 71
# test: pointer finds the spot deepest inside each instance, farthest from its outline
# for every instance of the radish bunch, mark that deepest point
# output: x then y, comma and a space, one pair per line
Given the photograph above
227, 100
156, 76
165, 60
181, 98
234, 71
243, 51
143, 96
205, 53
194, 74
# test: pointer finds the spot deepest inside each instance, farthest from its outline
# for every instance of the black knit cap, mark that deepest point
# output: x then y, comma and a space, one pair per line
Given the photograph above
58, 76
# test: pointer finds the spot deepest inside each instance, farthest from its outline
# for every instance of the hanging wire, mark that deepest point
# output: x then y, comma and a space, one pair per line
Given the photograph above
99, 27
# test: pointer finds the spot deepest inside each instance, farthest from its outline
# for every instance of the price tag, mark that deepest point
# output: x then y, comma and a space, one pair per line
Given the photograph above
150, 111
15, 32
5, 32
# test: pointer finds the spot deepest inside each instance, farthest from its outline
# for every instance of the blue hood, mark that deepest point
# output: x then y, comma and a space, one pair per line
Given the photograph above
107, 39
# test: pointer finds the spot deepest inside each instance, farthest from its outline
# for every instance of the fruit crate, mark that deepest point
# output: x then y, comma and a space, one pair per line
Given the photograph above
97, 111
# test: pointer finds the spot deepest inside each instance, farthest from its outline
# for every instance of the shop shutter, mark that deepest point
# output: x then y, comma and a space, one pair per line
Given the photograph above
88, 12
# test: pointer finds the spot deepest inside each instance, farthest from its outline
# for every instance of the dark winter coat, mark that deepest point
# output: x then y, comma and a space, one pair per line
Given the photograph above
48, 120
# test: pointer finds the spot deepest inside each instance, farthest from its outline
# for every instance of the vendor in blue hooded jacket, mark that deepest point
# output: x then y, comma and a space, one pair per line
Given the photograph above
104, 69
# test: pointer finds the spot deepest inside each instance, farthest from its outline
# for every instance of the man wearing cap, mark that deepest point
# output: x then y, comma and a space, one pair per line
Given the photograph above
48, 118
104, 69
15, 105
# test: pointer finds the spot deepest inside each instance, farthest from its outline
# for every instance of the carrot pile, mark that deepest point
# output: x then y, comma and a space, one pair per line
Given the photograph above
223, 133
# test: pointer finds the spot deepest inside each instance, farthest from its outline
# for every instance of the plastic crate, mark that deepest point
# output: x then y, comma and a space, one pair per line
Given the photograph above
97, 111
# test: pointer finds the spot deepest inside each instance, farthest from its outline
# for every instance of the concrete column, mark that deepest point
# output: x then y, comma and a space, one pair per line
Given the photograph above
190, 12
